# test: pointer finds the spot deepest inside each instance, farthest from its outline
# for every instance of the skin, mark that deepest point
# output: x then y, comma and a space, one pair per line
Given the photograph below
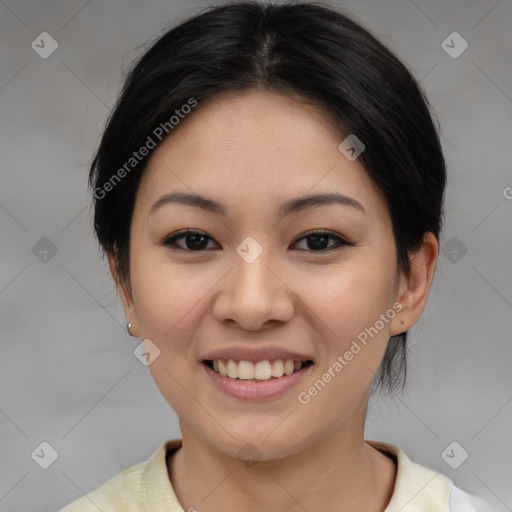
252, 152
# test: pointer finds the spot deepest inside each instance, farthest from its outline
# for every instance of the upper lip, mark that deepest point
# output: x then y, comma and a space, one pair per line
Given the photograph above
245, 353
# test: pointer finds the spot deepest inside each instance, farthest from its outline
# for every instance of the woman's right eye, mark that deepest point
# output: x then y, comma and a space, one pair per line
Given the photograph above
195, 241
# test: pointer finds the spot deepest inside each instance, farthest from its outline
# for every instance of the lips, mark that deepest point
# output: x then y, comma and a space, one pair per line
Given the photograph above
261, 364
253, 354
256, 389
255, 373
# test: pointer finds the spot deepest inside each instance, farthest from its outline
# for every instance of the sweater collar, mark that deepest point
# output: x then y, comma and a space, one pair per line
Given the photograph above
417, 488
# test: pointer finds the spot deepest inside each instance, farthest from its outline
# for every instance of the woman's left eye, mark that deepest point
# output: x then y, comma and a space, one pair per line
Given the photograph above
320, 239
196, 241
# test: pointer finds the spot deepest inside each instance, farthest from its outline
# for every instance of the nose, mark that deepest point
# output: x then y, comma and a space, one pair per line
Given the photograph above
254, 294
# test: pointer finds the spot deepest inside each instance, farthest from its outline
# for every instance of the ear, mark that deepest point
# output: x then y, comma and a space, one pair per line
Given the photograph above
126, 295
413, 289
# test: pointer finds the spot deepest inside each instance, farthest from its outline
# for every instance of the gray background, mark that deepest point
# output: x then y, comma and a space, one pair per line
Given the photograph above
67, 369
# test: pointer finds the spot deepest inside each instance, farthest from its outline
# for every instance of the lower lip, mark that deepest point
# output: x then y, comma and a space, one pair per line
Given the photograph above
248, 390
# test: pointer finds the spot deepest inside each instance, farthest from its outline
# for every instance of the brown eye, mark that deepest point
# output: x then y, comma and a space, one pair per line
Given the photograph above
195, 241
318, 241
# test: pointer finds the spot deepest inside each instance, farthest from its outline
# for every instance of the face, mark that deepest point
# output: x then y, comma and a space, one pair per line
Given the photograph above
256, 281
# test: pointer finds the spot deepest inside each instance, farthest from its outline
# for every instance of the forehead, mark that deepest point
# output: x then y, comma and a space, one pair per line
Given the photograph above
261, 147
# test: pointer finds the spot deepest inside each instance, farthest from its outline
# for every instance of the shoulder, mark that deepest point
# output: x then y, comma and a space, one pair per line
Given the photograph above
420, 489
144, 486
122, 492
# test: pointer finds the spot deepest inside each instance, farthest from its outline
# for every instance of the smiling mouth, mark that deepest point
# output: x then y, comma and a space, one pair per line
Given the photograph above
260, 371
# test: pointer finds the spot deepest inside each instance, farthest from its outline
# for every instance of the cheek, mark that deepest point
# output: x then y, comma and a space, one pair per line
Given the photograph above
349, 298
345, 306
167, 300
169, 307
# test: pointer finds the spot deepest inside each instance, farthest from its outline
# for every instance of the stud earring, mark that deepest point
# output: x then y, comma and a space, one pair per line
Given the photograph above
128, 328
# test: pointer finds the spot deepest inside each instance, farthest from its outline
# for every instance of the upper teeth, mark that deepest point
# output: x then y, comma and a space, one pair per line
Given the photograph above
262, 370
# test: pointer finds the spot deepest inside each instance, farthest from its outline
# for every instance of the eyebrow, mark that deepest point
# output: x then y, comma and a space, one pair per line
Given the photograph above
293, 206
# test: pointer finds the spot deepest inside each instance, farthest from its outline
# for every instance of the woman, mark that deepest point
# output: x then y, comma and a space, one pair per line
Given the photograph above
268, 192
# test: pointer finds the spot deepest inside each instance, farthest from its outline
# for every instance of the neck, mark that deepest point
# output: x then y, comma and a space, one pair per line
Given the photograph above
338, 473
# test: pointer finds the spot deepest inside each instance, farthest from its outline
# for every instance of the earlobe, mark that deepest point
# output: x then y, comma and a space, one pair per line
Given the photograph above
126, 298
414, 288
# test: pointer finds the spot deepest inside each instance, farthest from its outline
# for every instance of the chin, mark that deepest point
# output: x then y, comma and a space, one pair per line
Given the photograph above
258, 445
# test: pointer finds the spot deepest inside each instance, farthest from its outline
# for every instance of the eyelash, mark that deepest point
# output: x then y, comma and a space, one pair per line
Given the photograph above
170, 241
